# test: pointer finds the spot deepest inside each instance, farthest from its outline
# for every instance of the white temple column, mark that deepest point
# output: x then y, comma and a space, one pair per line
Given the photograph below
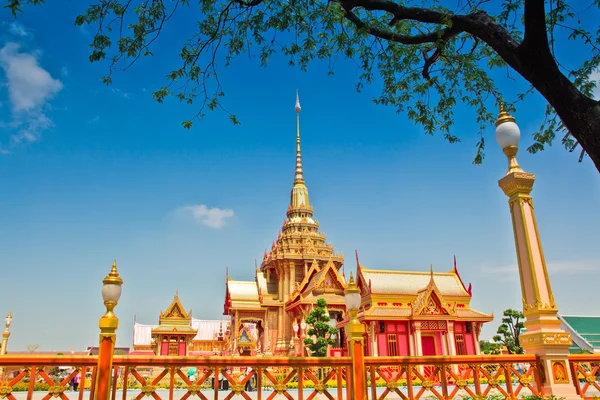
450, 339
477, 331
411, 339
373, 337
418, 342
444, 343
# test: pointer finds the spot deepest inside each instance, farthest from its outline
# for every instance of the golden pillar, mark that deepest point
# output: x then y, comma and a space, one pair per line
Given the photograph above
356, 344
111, 292
543, 336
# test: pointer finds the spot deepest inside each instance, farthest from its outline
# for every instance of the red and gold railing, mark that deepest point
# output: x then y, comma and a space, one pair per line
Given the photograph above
39, 373
272, 376
585, 370
509, 376
453, 377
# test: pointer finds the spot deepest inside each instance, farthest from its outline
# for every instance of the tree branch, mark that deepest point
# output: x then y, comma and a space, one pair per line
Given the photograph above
535, 24
478, 24
251, 3
430, 37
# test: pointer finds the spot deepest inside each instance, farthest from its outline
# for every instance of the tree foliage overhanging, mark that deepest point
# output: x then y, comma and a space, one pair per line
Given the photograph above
319, 332
430, 56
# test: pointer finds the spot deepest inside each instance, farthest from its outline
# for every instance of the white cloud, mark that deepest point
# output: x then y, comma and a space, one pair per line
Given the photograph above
30, 89
94, 120
64, 71
17, 29
211, 217
595, 76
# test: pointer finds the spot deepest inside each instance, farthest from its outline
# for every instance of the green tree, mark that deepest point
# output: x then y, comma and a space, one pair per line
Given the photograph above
319, 332
488, 347
429, 56
509, 331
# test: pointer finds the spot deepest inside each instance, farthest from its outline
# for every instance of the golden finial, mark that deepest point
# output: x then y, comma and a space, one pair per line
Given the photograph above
351, 281
504, 116
176, 292
431, 270
113, 276
9, 315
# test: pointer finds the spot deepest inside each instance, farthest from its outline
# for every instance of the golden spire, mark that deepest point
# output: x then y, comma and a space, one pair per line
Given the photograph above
299, 200
299, 175
504, 116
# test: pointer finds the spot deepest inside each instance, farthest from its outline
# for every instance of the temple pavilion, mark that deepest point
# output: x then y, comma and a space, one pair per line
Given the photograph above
405, 312
178, 334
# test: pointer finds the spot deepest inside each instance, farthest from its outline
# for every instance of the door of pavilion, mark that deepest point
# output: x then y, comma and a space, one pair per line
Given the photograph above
429, 349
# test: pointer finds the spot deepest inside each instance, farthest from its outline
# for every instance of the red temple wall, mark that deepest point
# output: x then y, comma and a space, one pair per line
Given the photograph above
397, 330
466, 329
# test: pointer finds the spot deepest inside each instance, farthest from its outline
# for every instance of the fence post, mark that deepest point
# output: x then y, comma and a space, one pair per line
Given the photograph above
356, 342
111, 292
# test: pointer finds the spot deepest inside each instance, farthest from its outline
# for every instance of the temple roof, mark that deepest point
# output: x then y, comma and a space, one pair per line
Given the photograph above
265, 288
243, 294
411, 282
183, 329
206, 330
585, 331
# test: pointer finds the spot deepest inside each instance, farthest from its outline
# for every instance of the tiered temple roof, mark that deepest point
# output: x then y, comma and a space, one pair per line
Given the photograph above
585, 331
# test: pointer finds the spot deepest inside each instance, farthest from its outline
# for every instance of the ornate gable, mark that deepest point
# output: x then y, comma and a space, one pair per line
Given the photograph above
432, 306
175, 314
303, 286
330, 278
429, 301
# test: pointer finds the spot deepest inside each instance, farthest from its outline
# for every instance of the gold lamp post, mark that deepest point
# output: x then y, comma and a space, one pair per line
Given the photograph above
5, 335
543, 337
111, 292
356, 343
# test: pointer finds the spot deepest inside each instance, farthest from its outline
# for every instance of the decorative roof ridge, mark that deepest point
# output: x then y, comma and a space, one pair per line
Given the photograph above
455, 271
404, 272
360, 276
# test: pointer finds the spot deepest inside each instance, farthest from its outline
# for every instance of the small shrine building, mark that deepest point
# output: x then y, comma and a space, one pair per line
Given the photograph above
405, 312
178, 334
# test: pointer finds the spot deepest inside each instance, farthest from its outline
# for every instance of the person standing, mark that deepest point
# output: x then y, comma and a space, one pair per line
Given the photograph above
76, 381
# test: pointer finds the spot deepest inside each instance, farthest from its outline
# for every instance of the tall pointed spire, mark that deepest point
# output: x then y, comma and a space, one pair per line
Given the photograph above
299, 204
299, 175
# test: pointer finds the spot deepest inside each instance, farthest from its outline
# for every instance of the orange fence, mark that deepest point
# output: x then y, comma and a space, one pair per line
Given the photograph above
215, 378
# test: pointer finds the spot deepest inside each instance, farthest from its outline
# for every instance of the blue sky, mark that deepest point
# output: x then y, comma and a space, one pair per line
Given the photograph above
91, 173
